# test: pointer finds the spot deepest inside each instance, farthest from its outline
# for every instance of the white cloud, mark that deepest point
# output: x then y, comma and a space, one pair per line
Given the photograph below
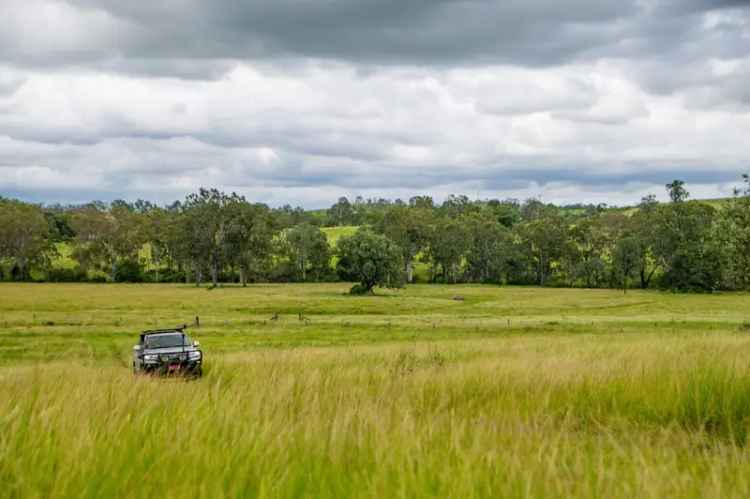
605, 125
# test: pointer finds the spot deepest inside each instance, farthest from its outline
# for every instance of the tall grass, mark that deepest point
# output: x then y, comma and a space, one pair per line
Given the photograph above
515, 392
514, 417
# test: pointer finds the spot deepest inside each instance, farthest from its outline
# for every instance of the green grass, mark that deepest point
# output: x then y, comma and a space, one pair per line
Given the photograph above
514, 392
335, 233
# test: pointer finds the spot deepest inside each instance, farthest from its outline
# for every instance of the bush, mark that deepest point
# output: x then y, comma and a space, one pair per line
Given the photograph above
169, 275
129, 271
692, 272
359, 290
75, 274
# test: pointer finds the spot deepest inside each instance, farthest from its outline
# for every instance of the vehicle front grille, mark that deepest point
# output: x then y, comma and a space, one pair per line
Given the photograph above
171, 357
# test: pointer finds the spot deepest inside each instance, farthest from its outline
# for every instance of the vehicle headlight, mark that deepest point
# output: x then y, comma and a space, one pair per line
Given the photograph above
150, 357
194, 355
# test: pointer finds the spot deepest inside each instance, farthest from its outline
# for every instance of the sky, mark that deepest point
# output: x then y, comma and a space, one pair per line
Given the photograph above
302, 101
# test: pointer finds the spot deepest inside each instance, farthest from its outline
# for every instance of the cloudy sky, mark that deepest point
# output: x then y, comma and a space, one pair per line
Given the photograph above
302, 101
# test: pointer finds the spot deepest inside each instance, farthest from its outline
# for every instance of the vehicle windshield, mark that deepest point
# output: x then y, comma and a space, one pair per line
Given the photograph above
166, 340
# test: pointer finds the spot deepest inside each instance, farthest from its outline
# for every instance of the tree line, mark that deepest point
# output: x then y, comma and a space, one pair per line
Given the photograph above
214, 237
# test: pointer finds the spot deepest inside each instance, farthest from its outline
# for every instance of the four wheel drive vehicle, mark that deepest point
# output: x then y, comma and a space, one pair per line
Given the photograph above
167, 351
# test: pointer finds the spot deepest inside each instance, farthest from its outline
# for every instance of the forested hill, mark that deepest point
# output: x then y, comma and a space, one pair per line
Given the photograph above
210, 235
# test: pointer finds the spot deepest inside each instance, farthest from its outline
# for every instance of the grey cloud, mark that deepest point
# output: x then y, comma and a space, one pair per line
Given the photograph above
281, 99
605, 179
528, 98
140, 35
686, 46
185, 69
706, 83
192, 39
10, 85
281, 183
589, 117
693, 6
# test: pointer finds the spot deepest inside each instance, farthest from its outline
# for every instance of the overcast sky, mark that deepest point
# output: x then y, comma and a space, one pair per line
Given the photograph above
302, 101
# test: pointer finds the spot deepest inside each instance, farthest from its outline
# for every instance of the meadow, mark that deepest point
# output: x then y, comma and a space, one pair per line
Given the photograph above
448, 391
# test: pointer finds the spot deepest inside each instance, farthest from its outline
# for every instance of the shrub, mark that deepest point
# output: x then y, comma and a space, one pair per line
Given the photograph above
75, 274
129, 271
169, 275
359, 290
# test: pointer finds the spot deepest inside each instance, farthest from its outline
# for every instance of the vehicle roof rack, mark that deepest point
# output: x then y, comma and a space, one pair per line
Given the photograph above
178, 329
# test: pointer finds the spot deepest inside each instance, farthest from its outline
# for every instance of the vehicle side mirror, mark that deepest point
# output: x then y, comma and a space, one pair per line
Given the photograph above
196, 343
137, 348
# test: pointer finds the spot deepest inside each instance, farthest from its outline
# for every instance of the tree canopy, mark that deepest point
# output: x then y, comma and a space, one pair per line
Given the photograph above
682, 245
372, 260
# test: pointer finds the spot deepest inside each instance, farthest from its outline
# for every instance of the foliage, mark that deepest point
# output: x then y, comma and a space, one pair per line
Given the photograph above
544, 235
129, 271
686, 248
207, 215
682, 246
372, 260
408, 227
625, 259
75, 274
105, 237
24, 237
249, 235
306, 248
341, 213
447, 243
677, 191
490, 249
733, 234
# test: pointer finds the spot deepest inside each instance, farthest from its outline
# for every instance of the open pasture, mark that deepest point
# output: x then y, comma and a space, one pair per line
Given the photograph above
452, 391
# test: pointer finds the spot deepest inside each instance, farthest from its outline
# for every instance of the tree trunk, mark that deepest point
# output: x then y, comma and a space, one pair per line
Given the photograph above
646, 279
198, 277
114, 270
409, 272
21, 266
541, 270
243, 277
215, 274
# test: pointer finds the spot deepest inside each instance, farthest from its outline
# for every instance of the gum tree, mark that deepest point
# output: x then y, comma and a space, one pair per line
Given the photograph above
372, 260
24, 236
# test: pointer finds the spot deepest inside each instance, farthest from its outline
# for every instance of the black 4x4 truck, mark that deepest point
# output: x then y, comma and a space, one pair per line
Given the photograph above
167, 351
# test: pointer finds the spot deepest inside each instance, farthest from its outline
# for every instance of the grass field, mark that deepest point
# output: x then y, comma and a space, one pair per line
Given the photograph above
515, 392
335, 233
